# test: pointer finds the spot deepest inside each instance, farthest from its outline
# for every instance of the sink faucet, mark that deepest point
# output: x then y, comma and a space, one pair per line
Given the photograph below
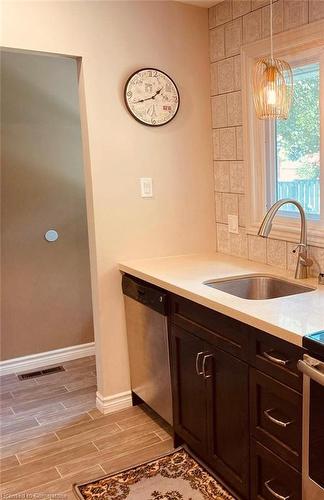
303, 261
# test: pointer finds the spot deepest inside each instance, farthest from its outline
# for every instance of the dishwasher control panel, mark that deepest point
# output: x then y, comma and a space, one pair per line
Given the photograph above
148, 295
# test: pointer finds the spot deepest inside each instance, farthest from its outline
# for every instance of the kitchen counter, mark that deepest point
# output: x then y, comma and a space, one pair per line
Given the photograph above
289, 318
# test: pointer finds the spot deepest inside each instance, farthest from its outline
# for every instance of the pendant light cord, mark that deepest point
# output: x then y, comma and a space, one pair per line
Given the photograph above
271, 35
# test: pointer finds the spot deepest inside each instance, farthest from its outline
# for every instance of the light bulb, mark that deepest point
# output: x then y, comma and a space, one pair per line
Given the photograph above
271, 97
272, 88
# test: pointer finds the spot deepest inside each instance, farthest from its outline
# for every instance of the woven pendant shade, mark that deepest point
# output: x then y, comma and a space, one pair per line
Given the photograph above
272, 88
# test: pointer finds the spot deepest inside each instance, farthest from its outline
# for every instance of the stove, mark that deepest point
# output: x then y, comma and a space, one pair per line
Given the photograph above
314, 343
312, 367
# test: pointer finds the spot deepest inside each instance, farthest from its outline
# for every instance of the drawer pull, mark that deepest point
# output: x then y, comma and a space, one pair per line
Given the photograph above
204, 365
274, 359
274, 493
275, 420
197, 364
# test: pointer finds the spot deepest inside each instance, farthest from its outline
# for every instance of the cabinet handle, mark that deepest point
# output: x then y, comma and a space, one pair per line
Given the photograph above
197, 364
273, 492
207, 356
275, 420
278, 361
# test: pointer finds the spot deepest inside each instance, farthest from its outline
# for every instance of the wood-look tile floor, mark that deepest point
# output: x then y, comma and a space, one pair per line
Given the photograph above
53, 436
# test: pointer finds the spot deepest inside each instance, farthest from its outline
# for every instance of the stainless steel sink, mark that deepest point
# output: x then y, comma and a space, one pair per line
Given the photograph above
258, 287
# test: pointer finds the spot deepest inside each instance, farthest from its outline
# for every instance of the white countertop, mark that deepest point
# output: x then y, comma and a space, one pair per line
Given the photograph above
289, 318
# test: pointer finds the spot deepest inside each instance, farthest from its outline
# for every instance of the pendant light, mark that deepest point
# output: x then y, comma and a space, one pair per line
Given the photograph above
272, 84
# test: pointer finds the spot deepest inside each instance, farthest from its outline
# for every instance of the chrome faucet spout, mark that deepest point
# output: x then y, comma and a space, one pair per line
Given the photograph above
303, 261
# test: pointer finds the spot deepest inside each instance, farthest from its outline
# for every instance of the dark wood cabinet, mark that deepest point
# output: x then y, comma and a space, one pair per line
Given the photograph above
211, 413
221, 331
188, 388
228, 419
271, 477
236, 401
276, 417
276, 357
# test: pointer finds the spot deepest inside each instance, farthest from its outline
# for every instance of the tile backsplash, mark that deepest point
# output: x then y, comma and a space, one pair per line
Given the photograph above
231, 24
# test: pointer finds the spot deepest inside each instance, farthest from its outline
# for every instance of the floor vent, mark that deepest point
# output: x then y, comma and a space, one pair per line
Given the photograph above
41, 373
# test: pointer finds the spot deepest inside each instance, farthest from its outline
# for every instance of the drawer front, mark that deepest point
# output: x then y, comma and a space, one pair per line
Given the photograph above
276, 417
277, 358
218, 329
271, 478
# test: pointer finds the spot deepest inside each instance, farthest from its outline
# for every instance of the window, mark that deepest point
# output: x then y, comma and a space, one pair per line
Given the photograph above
285, 158
296, 161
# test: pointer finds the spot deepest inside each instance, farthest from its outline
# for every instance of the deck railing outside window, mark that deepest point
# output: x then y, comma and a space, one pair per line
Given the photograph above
306, 191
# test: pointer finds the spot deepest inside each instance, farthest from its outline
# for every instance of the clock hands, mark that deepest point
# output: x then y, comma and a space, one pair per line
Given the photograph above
158, 92
149, 98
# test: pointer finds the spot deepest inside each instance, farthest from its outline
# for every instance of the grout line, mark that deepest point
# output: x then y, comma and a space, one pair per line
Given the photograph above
57, 437
242, 16
92, 442
88, 413
228, 126
125, 453
102, 469
55, 467
11, 409
121, 429
158, 436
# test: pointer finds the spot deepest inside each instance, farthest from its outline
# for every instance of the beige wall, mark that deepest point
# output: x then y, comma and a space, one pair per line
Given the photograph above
46, 292
114, 39
231, 24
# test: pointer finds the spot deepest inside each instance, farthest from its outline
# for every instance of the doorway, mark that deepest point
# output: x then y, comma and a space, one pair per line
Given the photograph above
45, 267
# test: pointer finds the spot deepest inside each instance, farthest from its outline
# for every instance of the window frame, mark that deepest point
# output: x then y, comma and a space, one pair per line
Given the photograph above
299, 46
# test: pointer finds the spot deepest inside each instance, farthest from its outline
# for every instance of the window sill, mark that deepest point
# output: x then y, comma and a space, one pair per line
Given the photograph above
286, 232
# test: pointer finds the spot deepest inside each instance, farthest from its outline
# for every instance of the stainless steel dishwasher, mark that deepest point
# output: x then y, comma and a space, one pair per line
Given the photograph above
148, 347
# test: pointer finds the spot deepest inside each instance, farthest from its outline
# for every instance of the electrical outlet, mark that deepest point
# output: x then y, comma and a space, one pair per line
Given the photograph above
233, 224
146, 187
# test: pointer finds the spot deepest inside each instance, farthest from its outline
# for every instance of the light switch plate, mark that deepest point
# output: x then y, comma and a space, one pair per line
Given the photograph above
146, 187
233, 224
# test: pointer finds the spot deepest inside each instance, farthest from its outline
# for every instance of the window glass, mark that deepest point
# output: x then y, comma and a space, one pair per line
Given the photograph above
298, 145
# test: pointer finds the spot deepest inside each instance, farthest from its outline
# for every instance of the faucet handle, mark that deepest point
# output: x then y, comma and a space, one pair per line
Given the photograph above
300, 245
303, 255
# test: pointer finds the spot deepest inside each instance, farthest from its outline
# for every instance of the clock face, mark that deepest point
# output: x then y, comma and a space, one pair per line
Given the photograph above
152, 97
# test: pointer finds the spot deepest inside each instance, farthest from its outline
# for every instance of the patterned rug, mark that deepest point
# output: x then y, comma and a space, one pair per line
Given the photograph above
175, 476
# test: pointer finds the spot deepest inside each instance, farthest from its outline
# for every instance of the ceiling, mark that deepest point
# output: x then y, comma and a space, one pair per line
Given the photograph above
201, 3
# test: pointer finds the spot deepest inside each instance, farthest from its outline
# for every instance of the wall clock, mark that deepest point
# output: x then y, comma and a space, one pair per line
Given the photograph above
151, 97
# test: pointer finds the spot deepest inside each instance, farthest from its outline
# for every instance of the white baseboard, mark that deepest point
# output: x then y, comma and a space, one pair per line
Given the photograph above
117, 402
35, 361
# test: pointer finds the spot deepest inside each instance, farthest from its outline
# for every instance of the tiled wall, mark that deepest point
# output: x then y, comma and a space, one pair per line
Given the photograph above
233, 23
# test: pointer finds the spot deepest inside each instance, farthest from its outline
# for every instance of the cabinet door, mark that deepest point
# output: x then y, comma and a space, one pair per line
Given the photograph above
189, 388
228, 419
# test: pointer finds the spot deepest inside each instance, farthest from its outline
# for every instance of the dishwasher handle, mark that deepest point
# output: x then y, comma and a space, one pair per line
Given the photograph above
146, 294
